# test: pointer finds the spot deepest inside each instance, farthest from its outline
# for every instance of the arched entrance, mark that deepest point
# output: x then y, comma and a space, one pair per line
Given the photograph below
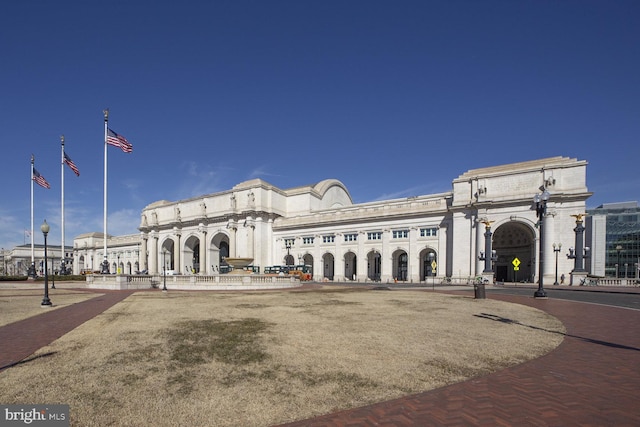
218, 249
374, 264
307, 259
166, 256
400, 265
328, 262
350, 269
289, 260
191, 254
514, 240
427, 258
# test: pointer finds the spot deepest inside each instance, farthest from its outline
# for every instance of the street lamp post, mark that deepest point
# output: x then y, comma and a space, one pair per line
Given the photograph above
556, 249
164, 270
541, 209
488, 266
46, 302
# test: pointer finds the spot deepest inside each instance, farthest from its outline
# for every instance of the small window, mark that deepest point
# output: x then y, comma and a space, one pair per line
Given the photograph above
400, 234
328, 239
428, 232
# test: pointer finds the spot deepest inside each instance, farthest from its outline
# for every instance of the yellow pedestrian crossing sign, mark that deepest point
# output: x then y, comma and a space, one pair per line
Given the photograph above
516, 264
433, 265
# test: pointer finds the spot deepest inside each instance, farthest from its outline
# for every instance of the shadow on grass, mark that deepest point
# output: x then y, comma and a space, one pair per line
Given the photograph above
27, 360
589, 340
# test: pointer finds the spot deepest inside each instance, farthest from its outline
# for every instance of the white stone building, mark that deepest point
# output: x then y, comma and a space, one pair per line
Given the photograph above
409, 239
123, 253
16, 261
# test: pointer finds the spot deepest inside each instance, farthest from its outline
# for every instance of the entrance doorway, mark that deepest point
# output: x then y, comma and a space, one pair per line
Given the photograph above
510, 241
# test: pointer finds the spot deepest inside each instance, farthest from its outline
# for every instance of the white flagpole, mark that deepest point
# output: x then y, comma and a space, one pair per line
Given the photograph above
32, 268
105, 263
63, 263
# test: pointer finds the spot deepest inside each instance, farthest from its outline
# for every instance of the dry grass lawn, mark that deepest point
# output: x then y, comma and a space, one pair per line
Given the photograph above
263, 358
20, 303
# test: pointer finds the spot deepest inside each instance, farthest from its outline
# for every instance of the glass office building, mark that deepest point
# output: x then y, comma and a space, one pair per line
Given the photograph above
613, 232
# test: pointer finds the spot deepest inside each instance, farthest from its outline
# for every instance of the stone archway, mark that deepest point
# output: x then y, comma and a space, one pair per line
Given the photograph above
350, 267
218, 249
166, 256
514, 240
328, 263
191, 255
400, 265
374, 265
427, 257
307, 260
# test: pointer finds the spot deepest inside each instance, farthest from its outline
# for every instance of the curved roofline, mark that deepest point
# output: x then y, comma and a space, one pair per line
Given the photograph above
323, 186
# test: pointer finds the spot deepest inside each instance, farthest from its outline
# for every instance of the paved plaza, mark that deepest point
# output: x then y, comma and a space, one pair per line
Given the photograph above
591, 379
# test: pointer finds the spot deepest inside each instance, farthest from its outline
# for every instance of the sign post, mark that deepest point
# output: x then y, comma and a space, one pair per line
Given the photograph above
516, 268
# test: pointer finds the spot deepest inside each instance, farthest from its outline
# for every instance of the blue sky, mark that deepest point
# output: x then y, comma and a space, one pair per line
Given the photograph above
393, 98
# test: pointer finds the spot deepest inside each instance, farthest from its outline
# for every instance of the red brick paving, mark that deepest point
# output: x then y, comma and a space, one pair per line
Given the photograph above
591, 379
21, 339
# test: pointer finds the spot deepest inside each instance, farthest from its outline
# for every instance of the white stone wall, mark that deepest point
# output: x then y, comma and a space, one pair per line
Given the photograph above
257, 218
597, 235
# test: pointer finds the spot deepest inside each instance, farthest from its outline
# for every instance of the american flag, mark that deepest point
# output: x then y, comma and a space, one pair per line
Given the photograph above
72, 165
118, 141
39, 179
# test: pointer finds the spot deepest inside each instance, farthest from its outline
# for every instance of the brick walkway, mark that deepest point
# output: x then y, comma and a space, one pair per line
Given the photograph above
21, 339
591, 379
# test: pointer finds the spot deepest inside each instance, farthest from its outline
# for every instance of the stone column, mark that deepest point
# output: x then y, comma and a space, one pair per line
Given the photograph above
549, 256
204, 264
578, 274
338, 261
386, 258
143, 252
153, 254
177, 251
250, 223
362, 271
233, 230
318, 262
260, 255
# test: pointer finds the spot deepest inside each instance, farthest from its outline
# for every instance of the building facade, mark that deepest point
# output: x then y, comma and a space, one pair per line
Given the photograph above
411, 239
16, 261
613, 230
